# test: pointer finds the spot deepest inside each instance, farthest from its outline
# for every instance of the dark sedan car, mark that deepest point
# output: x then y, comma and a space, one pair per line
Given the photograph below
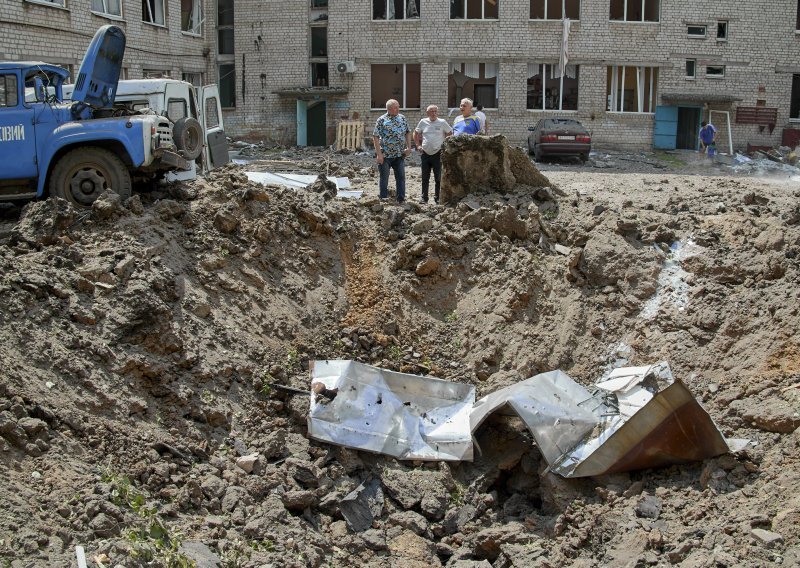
559, 137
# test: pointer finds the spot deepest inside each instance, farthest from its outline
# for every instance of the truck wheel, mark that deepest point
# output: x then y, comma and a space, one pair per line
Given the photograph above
81, 175
188, 137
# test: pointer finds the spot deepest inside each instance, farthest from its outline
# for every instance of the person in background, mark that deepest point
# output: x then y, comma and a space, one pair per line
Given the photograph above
429, 136
466, 122
482, 117
708, 138
392, 139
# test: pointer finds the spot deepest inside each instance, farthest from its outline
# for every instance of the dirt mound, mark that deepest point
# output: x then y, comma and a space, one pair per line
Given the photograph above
141, 346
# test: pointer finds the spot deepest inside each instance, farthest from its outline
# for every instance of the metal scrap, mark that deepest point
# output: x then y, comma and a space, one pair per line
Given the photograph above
633, 418
406, 416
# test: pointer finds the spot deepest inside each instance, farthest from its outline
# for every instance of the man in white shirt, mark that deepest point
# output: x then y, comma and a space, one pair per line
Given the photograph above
429, 136
482, 118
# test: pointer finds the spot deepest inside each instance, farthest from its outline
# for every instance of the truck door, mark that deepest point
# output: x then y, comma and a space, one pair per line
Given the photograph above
17, 139
216, 147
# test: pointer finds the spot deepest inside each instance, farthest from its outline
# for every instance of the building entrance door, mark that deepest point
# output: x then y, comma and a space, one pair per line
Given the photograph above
688, 128
317, 124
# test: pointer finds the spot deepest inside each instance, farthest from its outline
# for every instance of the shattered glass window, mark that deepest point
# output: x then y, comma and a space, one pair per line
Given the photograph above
190, 16
474, 9
108, 7
153, 11
395, 9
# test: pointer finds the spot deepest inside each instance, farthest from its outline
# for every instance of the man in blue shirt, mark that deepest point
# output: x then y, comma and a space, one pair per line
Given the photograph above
392, 140
708, 138
466, 122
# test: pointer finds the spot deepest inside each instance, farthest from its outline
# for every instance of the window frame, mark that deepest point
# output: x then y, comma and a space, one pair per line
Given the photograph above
4, 77
484, 78
404, 97
716, 75
163, 13
483, 17
543, 67
105, 13
644, 11
612, 90
794, 99
686, 74
704, 27
60, 4
405, 18
726, 24
546, 19
199, 25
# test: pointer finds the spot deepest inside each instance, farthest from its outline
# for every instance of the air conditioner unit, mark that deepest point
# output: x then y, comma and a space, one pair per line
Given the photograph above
346, 67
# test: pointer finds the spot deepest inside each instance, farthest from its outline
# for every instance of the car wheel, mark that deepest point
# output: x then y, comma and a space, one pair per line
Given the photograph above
82, 175
584, 157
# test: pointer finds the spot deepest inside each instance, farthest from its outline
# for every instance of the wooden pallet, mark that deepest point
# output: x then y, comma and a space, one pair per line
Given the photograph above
350, 135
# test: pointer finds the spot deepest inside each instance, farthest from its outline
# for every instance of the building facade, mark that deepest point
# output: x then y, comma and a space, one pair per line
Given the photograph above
637, 71
165, 38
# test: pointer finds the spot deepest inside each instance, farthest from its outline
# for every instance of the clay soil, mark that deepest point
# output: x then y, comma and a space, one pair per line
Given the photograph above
139, 341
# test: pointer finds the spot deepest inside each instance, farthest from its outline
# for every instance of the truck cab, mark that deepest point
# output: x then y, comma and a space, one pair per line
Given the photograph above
79, 149
178, 101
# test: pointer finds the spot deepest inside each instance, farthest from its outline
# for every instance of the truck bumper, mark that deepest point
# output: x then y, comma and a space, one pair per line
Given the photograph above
172, 160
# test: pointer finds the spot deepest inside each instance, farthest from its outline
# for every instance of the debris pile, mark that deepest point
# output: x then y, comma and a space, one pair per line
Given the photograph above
143, 345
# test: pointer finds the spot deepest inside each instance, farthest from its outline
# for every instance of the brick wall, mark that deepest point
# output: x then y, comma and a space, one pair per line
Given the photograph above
760, 56
41, 31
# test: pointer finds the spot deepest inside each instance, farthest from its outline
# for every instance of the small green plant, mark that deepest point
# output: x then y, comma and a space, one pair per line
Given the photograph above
550, 214
266, 545
207, 396
452, 317
395, 352
457, 493
266, 389
292, 360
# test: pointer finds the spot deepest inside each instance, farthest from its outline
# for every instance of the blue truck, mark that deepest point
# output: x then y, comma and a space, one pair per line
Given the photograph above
79, 149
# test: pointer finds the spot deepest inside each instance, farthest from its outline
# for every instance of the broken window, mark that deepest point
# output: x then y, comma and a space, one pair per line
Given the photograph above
794, 109
153, 11
227, 85
155, 74
548, 91
190, 16
696, 31
176, 109
691, 68
635, 10
474, 9
399, 81
212, 116
107, 7
319, 74
476, 81
632, 89
195, 79
722, 31
555, 9
715, 71
395, 9
8, 91
319, 41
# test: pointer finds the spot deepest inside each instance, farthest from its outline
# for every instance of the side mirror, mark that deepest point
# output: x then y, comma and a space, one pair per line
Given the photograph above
531, 128
39, 89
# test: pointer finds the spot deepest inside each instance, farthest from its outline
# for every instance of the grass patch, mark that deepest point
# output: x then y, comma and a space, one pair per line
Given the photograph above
670, 159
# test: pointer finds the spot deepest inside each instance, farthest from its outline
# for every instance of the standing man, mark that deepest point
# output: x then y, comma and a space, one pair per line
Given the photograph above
708, 138
429, 136
392, 139
466, 122
482, 117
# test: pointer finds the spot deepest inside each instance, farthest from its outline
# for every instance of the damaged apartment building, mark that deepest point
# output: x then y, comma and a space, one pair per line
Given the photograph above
165, 38
639, 73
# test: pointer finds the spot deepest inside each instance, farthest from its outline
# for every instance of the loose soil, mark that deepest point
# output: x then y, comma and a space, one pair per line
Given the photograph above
139, 342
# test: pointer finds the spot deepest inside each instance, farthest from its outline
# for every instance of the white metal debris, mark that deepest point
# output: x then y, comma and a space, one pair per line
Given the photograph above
406, 416
300, 181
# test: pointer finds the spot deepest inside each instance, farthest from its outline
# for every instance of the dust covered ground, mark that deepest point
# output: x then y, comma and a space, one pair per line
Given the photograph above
139, 340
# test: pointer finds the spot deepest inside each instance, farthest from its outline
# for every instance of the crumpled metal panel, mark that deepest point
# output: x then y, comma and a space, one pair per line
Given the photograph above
636, 418
406, 416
